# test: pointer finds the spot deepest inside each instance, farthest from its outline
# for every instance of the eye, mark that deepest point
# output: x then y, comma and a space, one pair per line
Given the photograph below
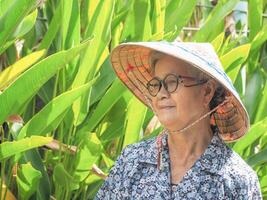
171, 81
153, 86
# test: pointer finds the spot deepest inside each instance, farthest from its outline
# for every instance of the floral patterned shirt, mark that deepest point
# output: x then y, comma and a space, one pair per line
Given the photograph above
219, 173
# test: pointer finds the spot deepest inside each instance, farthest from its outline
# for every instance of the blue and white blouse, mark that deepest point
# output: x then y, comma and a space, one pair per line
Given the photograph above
219, 173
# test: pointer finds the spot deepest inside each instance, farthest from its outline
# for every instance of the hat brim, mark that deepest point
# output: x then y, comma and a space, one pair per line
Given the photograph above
131, 63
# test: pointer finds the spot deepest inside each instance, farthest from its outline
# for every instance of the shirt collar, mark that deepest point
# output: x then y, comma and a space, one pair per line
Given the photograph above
216, 149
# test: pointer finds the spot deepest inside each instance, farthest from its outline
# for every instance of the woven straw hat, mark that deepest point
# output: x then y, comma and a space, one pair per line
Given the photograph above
131, 62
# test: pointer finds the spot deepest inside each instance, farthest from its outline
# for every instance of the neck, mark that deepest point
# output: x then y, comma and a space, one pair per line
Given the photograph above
191, 142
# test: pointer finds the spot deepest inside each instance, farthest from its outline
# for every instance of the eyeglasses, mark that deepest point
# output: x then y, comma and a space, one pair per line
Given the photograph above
170, 83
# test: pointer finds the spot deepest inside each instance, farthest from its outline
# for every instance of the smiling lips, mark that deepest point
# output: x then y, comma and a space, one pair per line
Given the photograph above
165, 107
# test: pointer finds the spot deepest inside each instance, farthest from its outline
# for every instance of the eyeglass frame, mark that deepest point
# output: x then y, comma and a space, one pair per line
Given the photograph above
179, 79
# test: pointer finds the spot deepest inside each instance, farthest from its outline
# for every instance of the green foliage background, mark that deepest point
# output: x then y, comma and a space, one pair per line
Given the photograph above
63, 113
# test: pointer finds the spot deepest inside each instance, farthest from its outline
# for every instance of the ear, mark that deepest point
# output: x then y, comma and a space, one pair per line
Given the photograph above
208, 91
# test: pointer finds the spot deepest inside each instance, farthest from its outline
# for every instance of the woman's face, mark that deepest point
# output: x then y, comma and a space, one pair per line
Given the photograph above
180, 108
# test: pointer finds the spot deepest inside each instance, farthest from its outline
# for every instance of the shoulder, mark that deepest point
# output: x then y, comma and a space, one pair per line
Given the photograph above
239, 177
142, 150
237, 168
117, 183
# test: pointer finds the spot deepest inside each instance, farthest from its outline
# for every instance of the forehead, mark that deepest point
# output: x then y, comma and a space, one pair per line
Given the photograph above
168, 64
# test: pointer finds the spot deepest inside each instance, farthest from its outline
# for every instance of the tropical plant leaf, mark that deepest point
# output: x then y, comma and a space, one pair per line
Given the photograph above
8, 149
257, 130
258, 158
13, 71
232, 60
26, 86
177, 15
89, 67
12, 17
217, 15
108, 100
27, 180
134, 120
54, 109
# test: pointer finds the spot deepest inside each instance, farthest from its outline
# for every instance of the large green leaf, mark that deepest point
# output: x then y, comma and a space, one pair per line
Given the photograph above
259, 39
8, 149
258, 158
12, 17
218, 42
137, 26
253, 93
94, 56
108, 100
261, 110
177, 15
87, 156
232, 60
52, 111
158, 18
217, 15
63, 178
26, 25
13, 71
52, 29
33, 156
112, 125
26, 86
256, 131
27, 180
255, 9
136, 112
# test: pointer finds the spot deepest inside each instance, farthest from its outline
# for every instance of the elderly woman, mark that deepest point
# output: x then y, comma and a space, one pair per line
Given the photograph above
185, 86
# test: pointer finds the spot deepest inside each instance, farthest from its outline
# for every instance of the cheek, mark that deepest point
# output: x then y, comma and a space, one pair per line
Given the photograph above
187, 102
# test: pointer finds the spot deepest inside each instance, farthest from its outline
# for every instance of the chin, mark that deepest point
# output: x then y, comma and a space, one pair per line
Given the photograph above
167, 121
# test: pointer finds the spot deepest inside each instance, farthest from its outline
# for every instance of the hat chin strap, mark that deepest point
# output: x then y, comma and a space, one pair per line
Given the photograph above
199, 119
193, 123
148, 100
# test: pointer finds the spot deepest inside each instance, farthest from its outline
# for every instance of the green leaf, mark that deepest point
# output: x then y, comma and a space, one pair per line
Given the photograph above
232, 60
261, 109
215, 18
253, 93
217, 42
258, 158
63, 179
177, 15
27, 180
112, 125
158, 18
107, 76
8, 149
97, 52
12, 17
259, 39
87, 156
26, 86
52, 30
70, 21
256, 131
54, 109
26, 25
137, 26
4, 5
33, 156
136, 113
13, 71
108, 100
255, 9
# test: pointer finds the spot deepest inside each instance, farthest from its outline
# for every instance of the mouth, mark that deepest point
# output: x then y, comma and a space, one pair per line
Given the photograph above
166, 107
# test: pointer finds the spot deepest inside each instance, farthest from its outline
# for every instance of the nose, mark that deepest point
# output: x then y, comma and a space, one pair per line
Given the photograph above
163, 93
